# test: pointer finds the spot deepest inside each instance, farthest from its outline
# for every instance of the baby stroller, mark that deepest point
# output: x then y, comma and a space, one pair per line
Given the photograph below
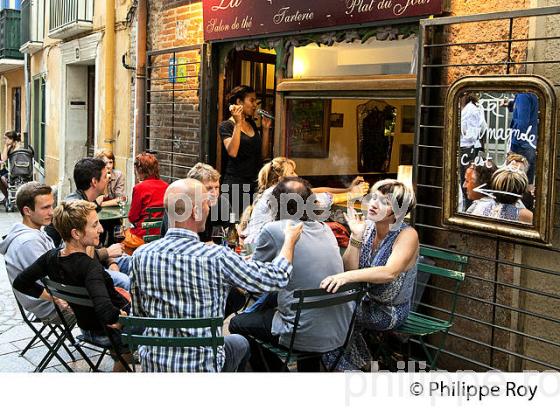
20, 171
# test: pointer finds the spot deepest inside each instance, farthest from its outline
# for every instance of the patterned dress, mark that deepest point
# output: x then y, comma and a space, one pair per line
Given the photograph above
385, 306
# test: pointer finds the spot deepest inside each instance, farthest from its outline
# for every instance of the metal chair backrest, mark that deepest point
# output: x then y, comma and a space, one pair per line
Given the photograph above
457, 276
214, 341
353, 292
72, 294
153, 214
77, 295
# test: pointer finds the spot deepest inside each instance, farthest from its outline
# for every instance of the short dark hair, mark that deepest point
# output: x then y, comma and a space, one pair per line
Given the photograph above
13, 135
26, 194
484, 172
471, 98
292, 185
239, 92
85, 170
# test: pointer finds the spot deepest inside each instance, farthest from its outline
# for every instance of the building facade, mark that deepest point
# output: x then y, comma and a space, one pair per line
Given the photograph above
78, 84
367, 97
12, 85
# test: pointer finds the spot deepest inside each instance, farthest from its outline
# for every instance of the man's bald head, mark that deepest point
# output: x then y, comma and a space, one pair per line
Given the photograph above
185, 201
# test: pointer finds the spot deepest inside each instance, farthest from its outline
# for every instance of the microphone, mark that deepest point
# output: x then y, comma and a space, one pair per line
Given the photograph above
264, 113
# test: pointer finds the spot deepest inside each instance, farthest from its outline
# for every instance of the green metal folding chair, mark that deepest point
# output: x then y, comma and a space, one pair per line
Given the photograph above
148, 226
314, 299
79, 296
418, 325
42, 334
133, 340
153, 222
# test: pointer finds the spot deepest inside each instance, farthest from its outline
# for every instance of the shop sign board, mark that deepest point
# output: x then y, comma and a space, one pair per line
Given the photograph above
228, 19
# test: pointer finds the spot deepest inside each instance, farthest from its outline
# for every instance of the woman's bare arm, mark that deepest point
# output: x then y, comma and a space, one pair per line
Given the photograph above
403, 256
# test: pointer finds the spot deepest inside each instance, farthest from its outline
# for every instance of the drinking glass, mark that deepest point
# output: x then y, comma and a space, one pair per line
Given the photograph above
118, 232
121, 202
218, 235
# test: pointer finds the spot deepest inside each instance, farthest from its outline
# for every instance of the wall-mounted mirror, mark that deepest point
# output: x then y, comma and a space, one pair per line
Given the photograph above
499, 154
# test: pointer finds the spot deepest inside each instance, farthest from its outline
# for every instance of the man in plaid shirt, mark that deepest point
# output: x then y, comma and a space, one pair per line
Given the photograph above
179, 276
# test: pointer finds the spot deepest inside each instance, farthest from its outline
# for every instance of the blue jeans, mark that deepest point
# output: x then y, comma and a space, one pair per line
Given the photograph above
237, 352
125, 264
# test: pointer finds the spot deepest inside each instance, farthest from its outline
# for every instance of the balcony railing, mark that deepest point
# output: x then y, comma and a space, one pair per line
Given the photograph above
70, 17
26, 21
10, 21
32, 25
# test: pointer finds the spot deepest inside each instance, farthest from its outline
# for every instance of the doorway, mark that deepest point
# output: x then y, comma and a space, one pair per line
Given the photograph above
256, 68
80, 130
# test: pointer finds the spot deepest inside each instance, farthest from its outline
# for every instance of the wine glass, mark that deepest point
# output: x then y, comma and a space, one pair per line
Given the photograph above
118, 232
121, 202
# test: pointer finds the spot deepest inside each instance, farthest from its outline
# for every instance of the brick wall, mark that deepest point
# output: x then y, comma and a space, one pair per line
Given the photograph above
174, 116
174, 24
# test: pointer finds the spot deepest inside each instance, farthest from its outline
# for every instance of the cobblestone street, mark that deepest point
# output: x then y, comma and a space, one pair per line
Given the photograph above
9, 315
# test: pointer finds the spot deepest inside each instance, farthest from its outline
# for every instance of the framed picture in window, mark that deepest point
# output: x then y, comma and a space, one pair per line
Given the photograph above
407, 119
337, 120
308, 128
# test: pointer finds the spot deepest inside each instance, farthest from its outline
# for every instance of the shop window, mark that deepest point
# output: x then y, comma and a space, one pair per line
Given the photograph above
357, 58
344, 137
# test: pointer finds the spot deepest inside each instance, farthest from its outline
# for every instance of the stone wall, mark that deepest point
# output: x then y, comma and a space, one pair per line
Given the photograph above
498, 314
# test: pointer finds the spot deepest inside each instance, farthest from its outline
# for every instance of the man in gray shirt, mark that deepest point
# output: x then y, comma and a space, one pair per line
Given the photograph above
27, 240
316, 256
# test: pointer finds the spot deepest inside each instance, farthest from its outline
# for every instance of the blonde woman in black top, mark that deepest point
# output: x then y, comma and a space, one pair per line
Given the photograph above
73, 264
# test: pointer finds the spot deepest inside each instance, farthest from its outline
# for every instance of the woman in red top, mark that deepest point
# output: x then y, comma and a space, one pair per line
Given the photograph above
148, 193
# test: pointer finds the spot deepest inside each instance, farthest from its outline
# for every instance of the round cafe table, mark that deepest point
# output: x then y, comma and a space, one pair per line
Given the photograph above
113, 212
110, 217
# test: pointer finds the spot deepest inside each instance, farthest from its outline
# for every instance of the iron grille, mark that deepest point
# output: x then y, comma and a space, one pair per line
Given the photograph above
174, 108
509, 306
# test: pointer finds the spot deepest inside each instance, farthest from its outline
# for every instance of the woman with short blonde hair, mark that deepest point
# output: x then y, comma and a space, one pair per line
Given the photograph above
383, 252
509, 184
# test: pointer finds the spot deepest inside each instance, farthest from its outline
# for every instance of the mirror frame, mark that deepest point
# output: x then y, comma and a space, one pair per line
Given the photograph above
541, 230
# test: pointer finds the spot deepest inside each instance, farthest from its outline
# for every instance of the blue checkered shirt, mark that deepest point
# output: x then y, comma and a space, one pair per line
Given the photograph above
180, 277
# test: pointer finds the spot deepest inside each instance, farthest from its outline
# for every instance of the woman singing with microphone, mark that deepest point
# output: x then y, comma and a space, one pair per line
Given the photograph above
244, 146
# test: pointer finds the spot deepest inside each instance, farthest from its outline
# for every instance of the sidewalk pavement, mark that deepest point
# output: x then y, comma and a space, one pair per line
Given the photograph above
15, 334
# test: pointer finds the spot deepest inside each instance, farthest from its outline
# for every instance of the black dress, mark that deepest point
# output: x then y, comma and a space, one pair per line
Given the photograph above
243, 169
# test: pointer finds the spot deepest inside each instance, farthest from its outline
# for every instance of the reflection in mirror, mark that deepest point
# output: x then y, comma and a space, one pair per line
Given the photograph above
498, 155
